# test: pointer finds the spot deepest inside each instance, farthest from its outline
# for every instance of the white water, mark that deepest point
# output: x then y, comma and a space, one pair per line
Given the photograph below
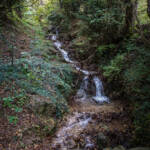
77, 122
82, 92
100, 97
74, 125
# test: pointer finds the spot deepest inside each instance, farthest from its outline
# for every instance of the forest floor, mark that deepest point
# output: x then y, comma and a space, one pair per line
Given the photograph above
25, 134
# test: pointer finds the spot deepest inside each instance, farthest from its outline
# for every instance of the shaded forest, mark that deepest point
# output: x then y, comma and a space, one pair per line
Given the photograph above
38, 87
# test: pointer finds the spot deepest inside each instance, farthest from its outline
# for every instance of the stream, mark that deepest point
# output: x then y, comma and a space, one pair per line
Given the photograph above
74, 133
99, 96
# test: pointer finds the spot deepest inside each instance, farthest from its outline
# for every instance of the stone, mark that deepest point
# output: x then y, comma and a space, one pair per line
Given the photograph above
71, 143
107, 148
101, 136
119, 147
101, 140
41, 105
140, 148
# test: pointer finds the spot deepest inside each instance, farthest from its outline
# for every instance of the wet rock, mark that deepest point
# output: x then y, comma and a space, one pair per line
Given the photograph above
107, 148
120, 147
101, 137
89, 144
47, 125
140, 148
101, 140
41, 105
71, 144
89, 147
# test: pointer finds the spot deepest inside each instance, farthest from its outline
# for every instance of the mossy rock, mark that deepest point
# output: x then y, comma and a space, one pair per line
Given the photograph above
41, 105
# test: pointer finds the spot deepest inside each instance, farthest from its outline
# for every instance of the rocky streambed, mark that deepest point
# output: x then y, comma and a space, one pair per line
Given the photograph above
93, 127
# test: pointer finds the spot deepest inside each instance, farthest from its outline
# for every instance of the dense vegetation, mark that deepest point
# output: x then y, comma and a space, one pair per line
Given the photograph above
36, 67
113, 35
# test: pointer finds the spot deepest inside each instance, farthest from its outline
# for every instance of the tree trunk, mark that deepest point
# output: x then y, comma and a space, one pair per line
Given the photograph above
148, 7
131, 10
60, 3
129, 15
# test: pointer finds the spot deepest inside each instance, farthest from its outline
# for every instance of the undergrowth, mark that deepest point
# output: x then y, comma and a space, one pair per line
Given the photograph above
37, 72
101, 33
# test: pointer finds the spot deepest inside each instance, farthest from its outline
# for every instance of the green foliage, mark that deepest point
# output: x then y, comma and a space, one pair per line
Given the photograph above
128, 74
8, 102
96, 21
13, 119
104, 48
8, 6
57, 18
103, 28
41, 71
141, 123
15, 102
103, 18
38, 12
97, 26
98, 18
114, 69
71, 6
142, 12
136, 76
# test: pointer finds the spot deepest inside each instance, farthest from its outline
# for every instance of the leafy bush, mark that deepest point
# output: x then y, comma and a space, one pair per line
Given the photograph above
8, 6
114, 69
71, 6
13, 119
39, 73
104, 18
57, 18
136, 76
105, 31
128, 75
141, 123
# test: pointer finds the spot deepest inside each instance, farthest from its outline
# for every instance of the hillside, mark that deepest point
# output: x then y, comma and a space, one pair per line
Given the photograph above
74, 74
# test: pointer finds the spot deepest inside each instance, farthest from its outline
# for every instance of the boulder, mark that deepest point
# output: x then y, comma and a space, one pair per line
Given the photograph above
119, 147
101, 137
71, 144
101, 140
41, 105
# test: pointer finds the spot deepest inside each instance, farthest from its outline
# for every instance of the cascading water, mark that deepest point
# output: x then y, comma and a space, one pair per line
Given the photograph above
86, 124
77, 122
100, 97
82, 92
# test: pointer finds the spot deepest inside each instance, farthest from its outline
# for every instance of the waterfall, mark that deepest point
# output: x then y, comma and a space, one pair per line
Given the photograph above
99, 96
84, 86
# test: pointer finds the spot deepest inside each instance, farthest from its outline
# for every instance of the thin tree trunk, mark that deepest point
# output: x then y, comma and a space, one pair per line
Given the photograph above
148, 7
129, 15
60, 3
12, 57
131, 10
135, 6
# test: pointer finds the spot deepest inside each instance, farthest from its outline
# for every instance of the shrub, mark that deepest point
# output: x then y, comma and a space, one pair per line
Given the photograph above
141, 123
114, 69
39, 73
